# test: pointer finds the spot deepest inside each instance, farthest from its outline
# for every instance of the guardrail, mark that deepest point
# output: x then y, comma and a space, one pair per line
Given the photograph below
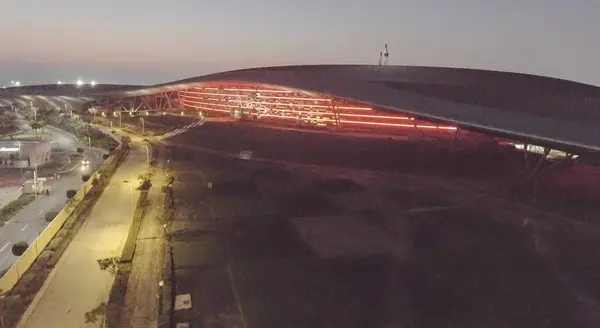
24, 262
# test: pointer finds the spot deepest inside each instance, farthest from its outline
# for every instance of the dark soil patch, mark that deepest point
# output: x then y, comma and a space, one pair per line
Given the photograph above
338, 185
236, 188
267, 236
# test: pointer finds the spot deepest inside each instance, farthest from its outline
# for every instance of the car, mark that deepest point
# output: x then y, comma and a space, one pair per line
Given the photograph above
85, 161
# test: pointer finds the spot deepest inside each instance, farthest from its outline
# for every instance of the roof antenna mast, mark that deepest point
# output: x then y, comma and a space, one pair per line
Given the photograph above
386, 54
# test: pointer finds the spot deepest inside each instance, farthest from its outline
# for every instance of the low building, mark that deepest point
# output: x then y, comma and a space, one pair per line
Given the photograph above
24, 154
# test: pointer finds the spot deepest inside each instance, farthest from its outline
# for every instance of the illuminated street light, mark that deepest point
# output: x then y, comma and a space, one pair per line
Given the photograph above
58, 82
93, 83
79, 83
17, 83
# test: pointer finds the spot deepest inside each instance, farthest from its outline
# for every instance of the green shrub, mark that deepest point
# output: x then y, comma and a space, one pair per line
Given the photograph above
85, 177
19, 248
49, 216
71, 193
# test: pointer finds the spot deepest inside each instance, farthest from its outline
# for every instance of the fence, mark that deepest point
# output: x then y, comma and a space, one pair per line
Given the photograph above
12, 276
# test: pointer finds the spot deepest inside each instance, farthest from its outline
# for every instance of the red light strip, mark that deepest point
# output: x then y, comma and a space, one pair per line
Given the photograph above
260, 109
214, 94
298, 105
196, 105
262, 114
259, 90
367, 123
376, 123
377, 116
293, 98
294, 111
354, 108
245, 90
209, 104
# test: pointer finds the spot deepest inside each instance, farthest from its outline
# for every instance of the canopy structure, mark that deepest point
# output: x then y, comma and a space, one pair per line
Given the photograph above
550, 112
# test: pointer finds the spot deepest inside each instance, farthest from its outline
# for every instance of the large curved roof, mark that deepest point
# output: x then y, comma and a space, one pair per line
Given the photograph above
546, 110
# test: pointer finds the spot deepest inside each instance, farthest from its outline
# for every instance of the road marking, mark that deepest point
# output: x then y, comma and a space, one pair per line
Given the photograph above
3, 248
25, 227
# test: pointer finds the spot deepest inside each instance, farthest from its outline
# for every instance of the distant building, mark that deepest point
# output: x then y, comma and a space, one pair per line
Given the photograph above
24, 153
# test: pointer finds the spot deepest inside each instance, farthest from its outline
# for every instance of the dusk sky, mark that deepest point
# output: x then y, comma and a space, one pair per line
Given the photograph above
152, 41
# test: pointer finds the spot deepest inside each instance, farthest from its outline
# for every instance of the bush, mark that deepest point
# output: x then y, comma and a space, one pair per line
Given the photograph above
145, 184
85, 177
80, 150
19, 248
71, 193
49, 216
111, 149
105, 156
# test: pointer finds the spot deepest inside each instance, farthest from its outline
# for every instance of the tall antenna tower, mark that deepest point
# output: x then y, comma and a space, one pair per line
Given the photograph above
386, 54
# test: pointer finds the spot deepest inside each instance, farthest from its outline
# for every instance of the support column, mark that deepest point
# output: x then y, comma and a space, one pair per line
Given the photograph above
336, 113
541, 160
525, 153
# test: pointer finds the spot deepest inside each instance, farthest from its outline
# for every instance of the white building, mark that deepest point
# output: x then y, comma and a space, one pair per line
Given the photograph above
24, 153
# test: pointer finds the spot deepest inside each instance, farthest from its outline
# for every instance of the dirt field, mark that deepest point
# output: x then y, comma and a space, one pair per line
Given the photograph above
272, 245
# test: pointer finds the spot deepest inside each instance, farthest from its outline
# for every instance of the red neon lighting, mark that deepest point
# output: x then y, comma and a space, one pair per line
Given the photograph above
298, 105
377, 116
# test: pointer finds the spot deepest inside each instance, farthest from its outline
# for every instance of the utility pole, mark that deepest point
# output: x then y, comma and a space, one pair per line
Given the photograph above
143, 126
120, 116
386, 54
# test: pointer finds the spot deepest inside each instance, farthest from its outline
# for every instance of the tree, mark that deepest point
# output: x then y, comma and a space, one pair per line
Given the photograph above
71, 193
85, 177
80, 150
105, 156
19, 248
49, 216
42, 124
35, 125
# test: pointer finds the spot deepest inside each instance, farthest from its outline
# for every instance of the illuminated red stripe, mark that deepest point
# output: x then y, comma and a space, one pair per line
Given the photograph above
377, 116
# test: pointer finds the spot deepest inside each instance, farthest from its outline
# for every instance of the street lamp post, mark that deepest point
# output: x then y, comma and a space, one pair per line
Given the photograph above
143, 126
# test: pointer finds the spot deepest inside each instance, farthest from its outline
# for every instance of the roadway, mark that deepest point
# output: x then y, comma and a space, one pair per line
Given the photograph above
29, 222
77, 285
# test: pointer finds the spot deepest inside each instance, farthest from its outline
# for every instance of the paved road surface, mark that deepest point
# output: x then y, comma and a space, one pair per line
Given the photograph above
30, 222
141, 300
76, 285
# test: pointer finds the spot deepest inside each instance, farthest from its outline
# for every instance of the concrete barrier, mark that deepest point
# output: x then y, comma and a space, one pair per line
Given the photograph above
24, 262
